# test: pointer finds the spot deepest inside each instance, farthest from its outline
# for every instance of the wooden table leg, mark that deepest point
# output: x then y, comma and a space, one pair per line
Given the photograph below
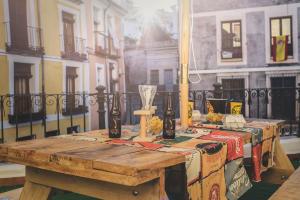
33, 191
162, 180
283, 167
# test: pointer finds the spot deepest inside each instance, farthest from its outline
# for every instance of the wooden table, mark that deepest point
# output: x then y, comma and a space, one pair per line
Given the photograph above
90, 168
290, 189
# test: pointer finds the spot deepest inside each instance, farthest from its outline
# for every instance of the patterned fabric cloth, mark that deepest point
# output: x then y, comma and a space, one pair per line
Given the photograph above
214, 170
237, 180
234, 141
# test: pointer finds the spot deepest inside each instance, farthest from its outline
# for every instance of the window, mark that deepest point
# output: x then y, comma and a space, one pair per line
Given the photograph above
154, 77
168, 79
281, 26
73, 101
99, 76
22, 76
68, 30
231, 40
71, 76
18, 23
283, 99
234, 90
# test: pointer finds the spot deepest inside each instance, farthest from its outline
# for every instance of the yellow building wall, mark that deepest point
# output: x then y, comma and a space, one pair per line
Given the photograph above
53, 72
38, 129
4, 75
53, 77
50, 27
2, 29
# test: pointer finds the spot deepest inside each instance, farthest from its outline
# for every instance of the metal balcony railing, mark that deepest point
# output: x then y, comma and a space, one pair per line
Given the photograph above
28, 41
101, 43
114, 52
73, 48
105, 45
257, 101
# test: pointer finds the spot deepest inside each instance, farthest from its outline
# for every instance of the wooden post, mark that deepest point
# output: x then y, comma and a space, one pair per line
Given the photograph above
184, 61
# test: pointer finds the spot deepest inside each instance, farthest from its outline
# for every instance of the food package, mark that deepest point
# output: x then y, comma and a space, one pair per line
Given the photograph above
234, 121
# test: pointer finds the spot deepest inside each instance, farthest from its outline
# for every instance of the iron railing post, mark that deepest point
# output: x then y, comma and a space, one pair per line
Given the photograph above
2, 116
44, 113
298, 133
101, 106
258, 102
57, 113
16, 112
30, 114
84, 117
130, 108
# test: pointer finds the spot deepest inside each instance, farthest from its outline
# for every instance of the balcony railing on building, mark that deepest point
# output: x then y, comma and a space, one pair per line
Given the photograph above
50, 109
73, 48
24, 40
24, 108
114, 50
101, 44
106, 45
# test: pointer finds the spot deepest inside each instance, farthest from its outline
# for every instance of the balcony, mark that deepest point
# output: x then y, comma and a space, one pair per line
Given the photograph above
114, 53
73, 48
24, 108
25, 40
101, 44
106, 46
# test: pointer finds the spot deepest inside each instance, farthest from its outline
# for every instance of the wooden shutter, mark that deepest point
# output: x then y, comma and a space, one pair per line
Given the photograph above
71, 76
18, 23
68, 28
22, 99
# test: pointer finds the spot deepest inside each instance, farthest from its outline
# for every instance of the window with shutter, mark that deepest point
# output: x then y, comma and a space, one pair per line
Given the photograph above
71, 76
231, 40
68, 29
282, 26
22, 76
154, 77
234, 89
283, 98
18, 24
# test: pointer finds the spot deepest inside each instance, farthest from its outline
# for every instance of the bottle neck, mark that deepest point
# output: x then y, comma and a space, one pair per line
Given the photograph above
169, 103
116, 102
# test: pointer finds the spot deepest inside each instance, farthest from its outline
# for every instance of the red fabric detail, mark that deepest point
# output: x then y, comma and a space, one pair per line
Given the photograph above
256, 162
150, 146
234, 141
274, 48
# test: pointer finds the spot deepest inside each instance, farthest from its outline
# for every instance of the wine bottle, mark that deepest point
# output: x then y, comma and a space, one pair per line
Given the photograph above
115, 117
169, 120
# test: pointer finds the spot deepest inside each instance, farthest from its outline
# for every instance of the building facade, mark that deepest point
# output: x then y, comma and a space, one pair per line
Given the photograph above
105, 48
233, 43
48, 47
154, 63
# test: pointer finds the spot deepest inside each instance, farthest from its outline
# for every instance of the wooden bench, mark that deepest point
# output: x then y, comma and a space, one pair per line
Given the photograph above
290, 189
11, 174
11, 195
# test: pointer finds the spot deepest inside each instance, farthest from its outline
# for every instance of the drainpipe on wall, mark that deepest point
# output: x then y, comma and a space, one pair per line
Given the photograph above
105, 31
42, 66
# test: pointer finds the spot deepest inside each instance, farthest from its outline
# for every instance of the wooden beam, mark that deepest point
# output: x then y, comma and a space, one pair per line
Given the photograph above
94, 188
184, 60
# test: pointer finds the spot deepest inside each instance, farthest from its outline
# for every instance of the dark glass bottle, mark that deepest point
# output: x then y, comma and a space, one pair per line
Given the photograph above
169, 120
115, 117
